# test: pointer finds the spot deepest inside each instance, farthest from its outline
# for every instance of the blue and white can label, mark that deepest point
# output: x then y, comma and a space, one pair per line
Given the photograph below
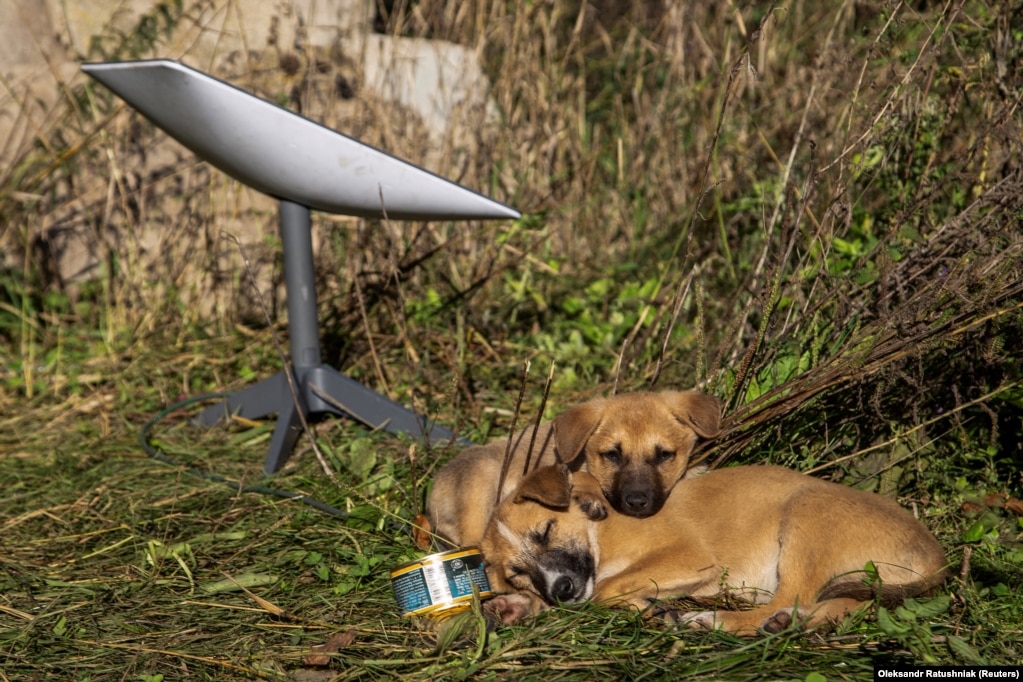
440, 585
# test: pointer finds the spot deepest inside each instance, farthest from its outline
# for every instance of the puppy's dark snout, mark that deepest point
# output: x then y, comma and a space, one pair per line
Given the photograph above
563, 588
637, 502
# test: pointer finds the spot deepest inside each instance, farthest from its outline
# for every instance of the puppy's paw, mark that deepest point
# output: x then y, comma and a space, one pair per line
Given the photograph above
781, 619
508, 609
592, 505
696, 470
699, 620
696, 620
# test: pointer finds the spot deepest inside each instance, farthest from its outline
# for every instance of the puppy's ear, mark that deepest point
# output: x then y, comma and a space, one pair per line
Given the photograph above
549, 486
573, 428
701, 412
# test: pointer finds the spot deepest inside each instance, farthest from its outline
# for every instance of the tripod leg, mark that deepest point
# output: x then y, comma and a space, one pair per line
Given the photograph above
287, 431
331, 391
262, 398
269, 396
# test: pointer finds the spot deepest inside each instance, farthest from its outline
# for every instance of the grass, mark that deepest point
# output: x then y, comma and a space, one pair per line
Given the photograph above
811, 210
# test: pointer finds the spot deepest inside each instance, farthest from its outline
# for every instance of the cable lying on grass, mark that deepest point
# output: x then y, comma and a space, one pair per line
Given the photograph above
159, 455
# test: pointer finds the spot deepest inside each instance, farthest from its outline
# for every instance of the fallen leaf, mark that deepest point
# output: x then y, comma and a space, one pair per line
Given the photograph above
1014, 505
320, 655
238, 583
995, 499
421, 532
1003, 501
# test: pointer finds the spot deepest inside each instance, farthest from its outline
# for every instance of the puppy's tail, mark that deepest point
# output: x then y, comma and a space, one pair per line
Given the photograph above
886, 594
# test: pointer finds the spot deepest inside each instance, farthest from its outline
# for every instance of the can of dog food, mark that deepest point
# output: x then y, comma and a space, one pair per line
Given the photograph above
440, 585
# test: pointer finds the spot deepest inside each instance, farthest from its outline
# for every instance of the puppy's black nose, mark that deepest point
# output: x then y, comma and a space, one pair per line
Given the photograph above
563, 588
637, 501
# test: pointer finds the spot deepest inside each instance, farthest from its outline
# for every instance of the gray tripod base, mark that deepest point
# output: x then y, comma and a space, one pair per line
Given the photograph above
320, 390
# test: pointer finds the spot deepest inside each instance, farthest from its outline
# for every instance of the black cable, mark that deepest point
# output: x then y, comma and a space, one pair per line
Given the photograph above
160, 456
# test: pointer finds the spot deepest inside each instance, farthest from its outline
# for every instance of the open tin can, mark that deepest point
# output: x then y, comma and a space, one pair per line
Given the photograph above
440, 585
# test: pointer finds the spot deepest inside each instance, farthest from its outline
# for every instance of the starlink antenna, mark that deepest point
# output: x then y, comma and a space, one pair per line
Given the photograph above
305, 166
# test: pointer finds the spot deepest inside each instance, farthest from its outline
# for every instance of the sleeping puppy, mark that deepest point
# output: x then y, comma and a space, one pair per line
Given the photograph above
637, 445
791, 546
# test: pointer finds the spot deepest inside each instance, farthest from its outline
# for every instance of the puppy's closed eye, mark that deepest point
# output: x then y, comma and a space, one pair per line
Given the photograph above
542, 538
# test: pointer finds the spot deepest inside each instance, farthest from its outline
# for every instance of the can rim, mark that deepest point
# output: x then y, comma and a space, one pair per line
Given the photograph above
433, 558
457, 604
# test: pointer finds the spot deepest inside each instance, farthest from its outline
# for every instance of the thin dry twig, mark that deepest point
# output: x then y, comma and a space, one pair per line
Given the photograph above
539, 418
511, 432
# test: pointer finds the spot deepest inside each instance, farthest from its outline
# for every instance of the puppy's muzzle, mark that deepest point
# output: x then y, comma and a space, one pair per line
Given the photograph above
637, 503
638, 500
637, 491
564, 589
565, 576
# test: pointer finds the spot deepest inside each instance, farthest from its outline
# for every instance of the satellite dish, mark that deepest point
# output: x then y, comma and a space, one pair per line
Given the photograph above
284, 154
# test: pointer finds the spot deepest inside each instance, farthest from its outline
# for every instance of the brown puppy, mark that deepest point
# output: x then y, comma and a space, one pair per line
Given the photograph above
637, 445
793, 546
